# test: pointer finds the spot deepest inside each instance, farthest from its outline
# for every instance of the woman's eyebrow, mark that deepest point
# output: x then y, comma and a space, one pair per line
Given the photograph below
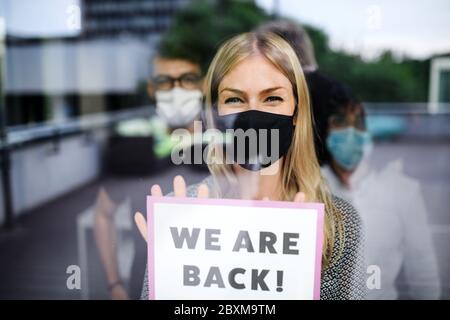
265, 91
232, 90
268, 90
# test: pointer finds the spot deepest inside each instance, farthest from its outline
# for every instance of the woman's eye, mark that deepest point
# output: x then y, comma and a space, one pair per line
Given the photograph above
274, 98
233, 100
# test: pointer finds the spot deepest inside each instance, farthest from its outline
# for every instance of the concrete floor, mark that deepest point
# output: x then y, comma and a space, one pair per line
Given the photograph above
34, 256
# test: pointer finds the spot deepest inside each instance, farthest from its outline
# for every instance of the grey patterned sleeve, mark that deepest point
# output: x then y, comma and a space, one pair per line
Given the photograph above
144, 293
344, 279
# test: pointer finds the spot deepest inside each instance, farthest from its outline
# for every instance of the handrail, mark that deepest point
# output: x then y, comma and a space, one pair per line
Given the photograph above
18, 136
407, 108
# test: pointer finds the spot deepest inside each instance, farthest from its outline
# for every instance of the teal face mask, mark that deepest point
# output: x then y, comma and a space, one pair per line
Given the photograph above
347, 146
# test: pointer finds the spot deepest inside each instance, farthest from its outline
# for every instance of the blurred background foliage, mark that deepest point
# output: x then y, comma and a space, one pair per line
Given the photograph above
201, 27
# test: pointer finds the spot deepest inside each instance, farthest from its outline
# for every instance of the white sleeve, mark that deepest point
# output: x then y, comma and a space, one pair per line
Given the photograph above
420, 263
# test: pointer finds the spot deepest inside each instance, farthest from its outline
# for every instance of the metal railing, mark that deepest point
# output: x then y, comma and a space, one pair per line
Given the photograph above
19, 136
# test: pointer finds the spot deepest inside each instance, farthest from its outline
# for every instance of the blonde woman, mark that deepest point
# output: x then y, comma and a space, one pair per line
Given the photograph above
255, 81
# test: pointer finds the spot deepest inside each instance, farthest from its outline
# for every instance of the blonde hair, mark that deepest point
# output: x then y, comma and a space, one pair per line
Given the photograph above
300, 168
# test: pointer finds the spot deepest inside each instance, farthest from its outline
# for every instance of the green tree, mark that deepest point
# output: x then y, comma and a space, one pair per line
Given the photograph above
200, 28
385, 79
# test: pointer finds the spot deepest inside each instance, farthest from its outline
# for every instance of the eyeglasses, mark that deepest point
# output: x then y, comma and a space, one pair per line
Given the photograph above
187, 81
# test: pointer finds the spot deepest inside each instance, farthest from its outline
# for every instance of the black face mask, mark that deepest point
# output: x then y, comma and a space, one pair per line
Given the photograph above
269, 140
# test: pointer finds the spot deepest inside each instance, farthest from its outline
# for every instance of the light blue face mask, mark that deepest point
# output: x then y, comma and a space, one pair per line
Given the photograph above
348, 145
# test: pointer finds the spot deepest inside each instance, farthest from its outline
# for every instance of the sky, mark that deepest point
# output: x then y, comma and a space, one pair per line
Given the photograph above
415, 28
40, 18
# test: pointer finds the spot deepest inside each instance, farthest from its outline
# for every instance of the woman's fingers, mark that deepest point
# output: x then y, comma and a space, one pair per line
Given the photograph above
203, 191
141, 224
156, 191
299, 197
179, 187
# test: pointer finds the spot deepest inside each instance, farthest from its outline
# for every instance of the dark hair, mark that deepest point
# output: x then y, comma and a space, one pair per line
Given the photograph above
164, 51
328, 98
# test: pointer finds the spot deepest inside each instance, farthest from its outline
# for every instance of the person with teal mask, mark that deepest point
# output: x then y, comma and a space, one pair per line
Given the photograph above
398, 241
347, 145
347, 141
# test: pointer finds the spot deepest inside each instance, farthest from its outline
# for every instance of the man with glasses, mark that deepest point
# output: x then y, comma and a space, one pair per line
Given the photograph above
175, 85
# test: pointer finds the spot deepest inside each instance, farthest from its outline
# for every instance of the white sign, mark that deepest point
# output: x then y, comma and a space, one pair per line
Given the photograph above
233, 249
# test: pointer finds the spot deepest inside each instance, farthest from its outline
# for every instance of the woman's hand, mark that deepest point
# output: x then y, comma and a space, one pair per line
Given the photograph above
179, 189
299, 197
119, 293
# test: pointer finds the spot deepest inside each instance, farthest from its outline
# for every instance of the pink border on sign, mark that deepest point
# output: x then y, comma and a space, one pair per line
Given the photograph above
151, 200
